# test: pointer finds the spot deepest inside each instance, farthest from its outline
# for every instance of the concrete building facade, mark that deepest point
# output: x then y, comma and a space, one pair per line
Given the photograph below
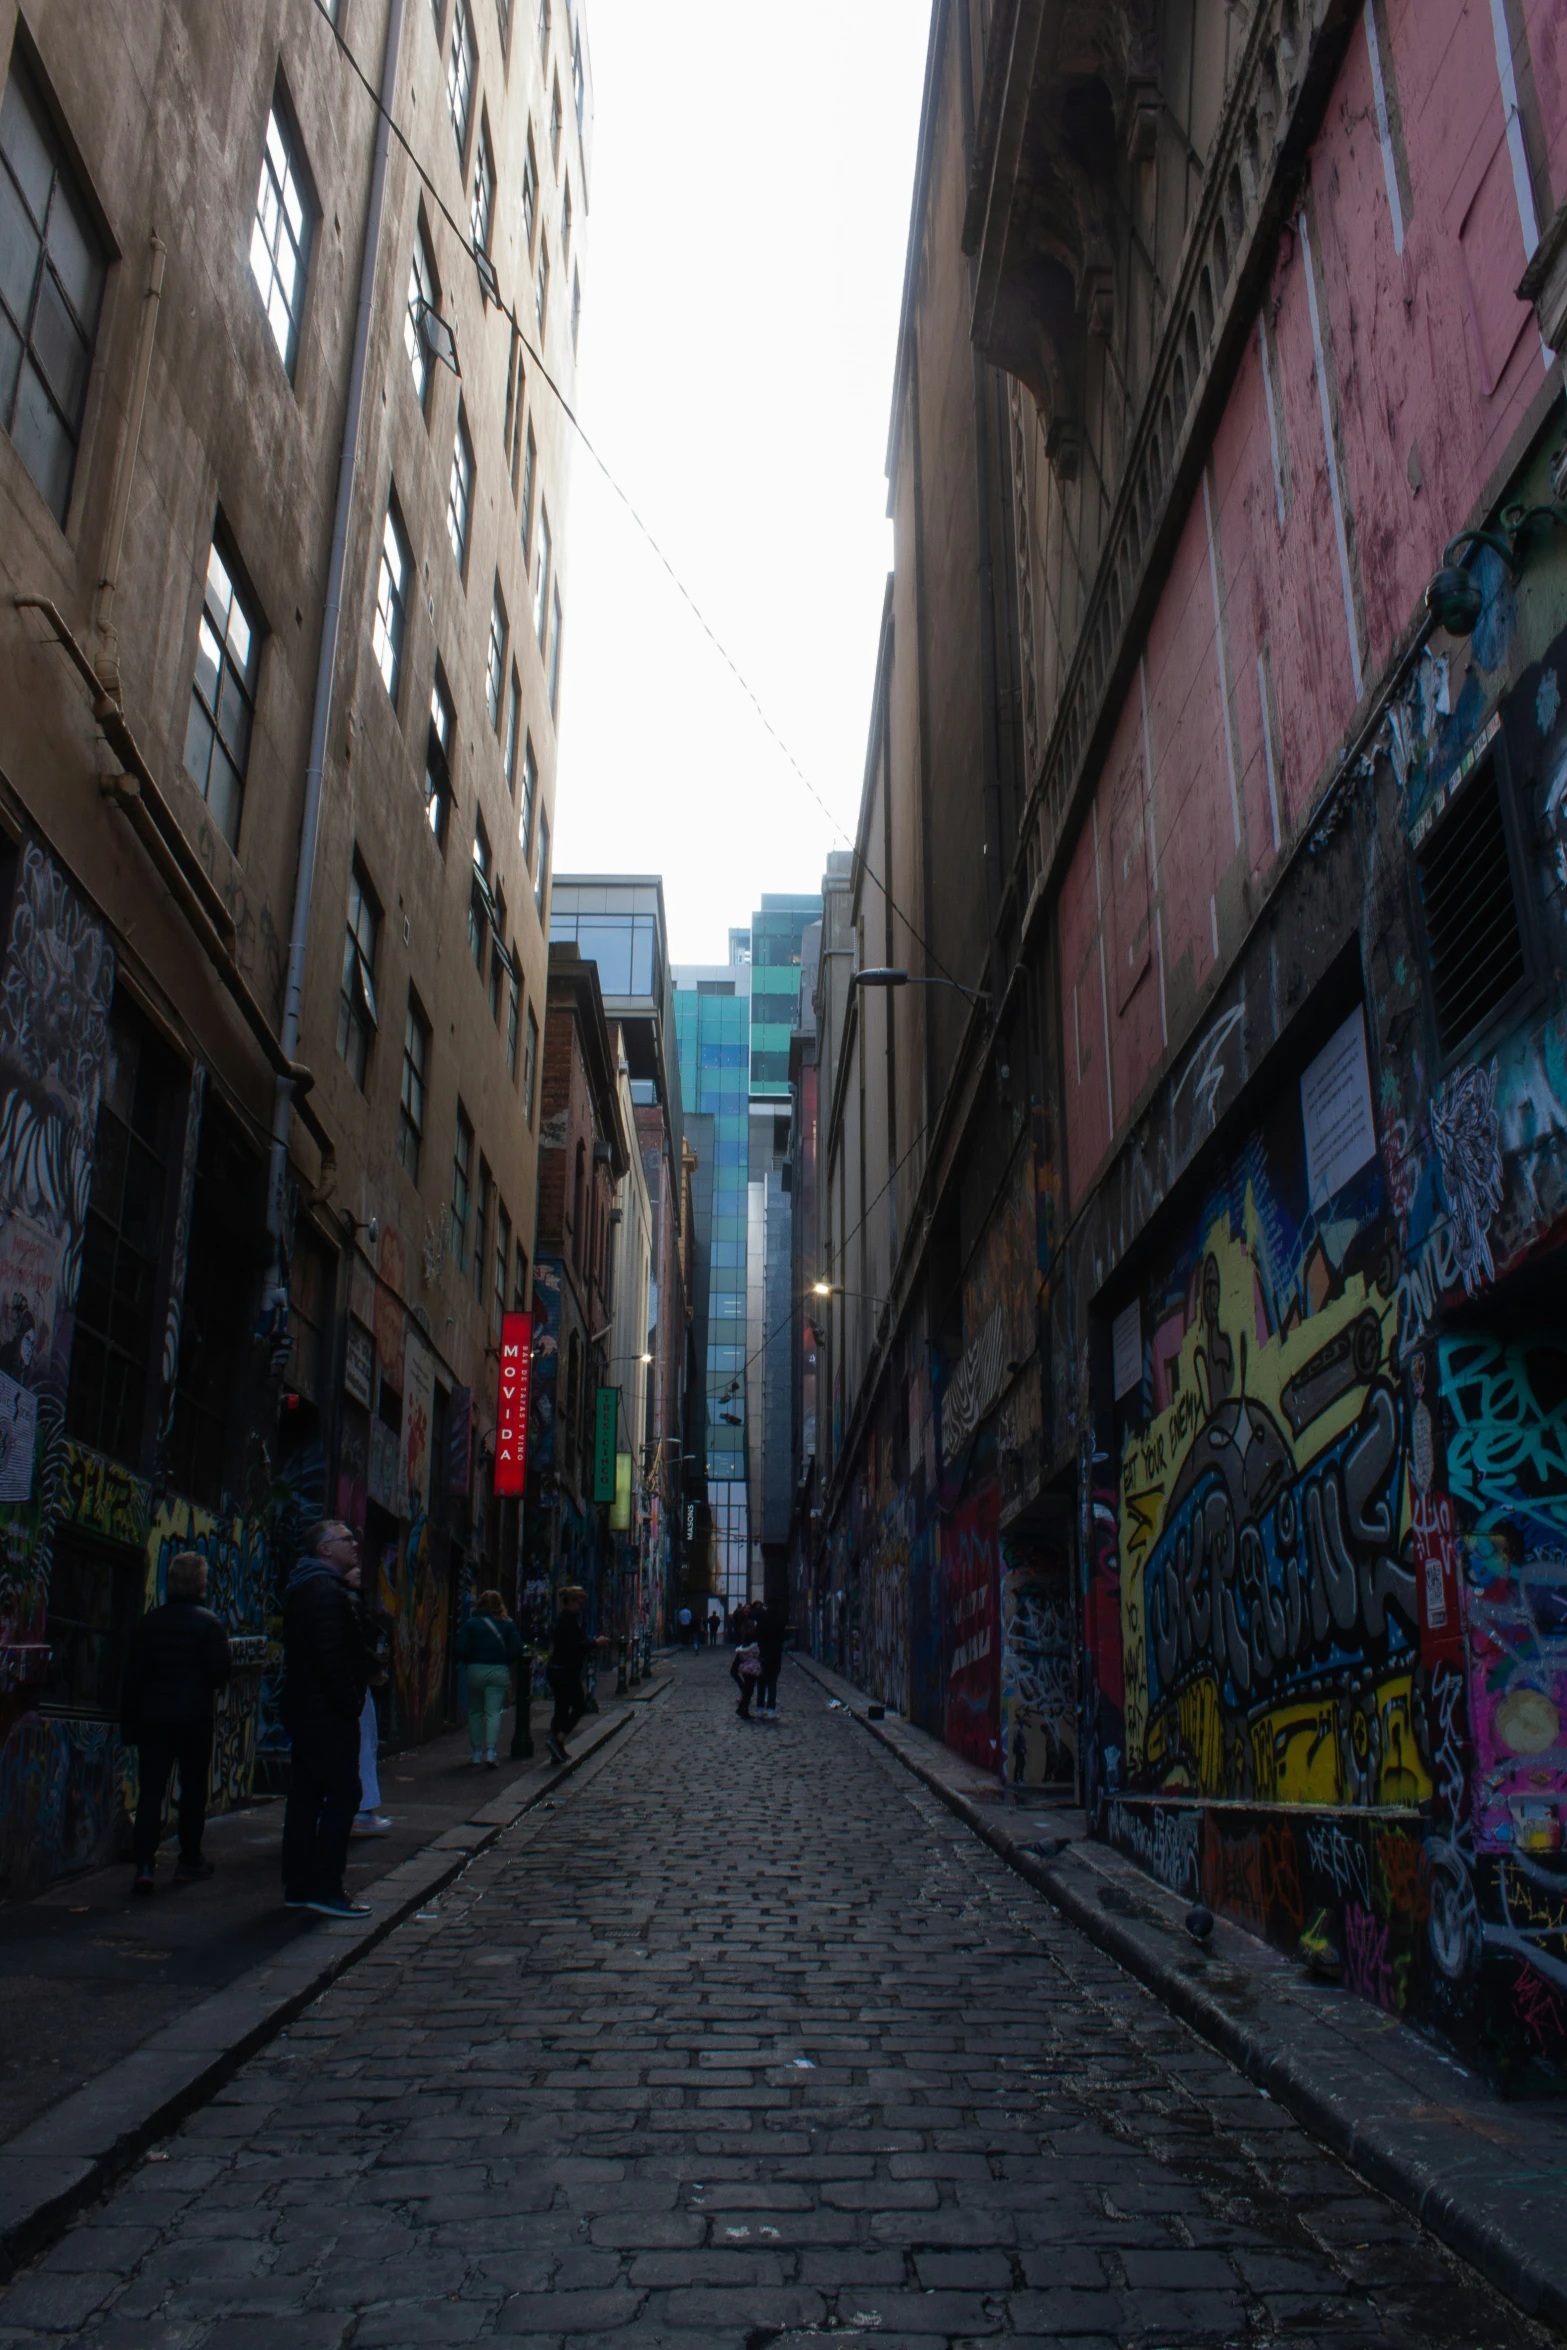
283, 492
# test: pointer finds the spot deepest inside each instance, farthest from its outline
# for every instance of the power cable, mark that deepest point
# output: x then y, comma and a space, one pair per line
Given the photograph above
464, 235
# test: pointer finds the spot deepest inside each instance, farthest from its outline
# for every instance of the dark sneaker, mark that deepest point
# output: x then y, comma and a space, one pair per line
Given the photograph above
146, 1882
336, 1905
188, 1872
296, 1901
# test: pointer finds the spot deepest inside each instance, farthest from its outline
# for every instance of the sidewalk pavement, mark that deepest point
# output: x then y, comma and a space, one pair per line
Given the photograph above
1487, 2177
136, 2011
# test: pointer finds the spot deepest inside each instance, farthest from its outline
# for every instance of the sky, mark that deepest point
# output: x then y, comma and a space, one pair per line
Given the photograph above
751, 179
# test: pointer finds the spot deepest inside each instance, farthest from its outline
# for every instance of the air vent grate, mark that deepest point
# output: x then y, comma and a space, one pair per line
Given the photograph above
1471, 914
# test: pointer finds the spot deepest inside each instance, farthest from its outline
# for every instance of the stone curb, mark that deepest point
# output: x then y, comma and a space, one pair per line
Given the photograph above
1367, 2146
73, 2153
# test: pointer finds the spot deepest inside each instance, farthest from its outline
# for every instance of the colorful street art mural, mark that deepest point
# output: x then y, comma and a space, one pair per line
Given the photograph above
971, 1627
413, 1599
1038, 1687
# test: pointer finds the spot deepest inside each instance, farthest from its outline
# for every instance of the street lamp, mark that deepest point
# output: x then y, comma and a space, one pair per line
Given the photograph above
883, 975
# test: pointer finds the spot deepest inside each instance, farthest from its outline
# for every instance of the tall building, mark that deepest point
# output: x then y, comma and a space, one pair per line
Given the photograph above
617, 922
733, 1022
282, 505
1194, 1218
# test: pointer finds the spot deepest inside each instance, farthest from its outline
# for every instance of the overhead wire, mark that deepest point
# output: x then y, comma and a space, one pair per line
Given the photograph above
464, 235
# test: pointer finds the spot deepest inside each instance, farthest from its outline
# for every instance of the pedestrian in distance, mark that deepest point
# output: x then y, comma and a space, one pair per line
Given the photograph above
489, 1644
684, 1622
715, 1624
746, 1670
178, 1661
369, 1819
570, 1649
325, 1675
771, 1632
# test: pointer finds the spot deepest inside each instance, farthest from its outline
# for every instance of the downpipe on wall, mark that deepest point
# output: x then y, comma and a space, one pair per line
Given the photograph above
275, 1304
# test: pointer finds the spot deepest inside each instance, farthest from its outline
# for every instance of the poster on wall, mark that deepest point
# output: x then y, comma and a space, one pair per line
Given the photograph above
31, 1255
18, 1437
1335, 1111
359, 1364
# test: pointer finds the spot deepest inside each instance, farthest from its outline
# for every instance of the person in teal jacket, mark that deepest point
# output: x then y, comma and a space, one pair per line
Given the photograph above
489, 1645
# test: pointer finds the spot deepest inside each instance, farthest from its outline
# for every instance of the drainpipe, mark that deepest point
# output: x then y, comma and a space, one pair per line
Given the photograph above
108, 662
277, 1300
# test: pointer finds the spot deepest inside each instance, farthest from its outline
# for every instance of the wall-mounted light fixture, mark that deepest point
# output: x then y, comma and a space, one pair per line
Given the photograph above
1454, 598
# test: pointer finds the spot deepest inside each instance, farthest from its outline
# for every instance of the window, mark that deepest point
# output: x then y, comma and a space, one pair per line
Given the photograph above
511, 421
513, 1015
280, 238
503, 19
530, 792
462, 1187
459, 78
502, 1265
530, 464
423, 302
95, 1597
205, 1453
565, 224
51, 287
578, 1200
544, 28
459, 496
391, 600
479, 894
481, 1227
1469, 898
530, 1062
222, 696
495, 660
513, 729
576, 310
410, 1112
437, 759
438, 10
541, 576
541, 285
556, 119
499, 961
357, 1017
554, 661
579, 88
542, 884
530, 196
119, 1301
483, 191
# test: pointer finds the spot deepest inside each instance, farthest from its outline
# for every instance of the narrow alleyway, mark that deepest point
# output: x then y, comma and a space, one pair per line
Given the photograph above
783, 2054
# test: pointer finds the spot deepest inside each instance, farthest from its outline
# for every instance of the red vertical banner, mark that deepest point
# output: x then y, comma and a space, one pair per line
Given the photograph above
511, 1425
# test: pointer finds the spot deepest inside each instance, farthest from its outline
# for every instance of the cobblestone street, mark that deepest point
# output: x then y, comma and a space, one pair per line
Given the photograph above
744, 2041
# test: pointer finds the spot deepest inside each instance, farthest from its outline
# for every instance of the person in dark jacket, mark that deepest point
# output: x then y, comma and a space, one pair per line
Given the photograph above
489, 1644
179, 1659
326, 1672
771, 1630
569, 1652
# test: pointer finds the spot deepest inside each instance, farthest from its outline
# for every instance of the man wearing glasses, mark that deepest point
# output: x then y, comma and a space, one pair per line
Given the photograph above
325, 1674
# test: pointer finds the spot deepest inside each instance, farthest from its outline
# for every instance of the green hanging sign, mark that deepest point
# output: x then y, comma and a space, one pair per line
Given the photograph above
605, 1430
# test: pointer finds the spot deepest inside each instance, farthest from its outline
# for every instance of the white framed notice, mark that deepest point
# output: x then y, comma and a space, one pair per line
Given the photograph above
1335, 1111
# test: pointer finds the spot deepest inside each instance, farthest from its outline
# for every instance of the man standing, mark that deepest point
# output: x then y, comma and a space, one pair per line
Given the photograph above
179, 1659
569, 1652
325, 1675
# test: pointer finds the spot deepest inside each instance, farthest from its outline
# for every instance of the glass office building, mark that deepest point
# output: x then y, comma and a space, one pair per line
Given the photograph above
775, 938
732, 1025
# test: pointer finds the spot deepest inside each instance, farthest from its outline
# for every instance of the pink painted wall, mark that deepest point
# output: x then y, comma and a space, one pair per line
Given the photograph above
1433, 363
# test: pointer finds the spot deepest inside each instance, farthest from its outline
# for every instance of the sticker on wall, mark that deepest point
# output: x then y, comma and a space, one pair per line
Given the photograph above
1335, 1111
359, 1364
1126, 1348
18, 1434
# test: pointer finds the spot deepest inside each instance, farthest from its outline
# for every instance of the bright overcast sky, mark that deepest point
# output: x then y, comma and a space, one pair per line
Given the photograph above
751, 182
